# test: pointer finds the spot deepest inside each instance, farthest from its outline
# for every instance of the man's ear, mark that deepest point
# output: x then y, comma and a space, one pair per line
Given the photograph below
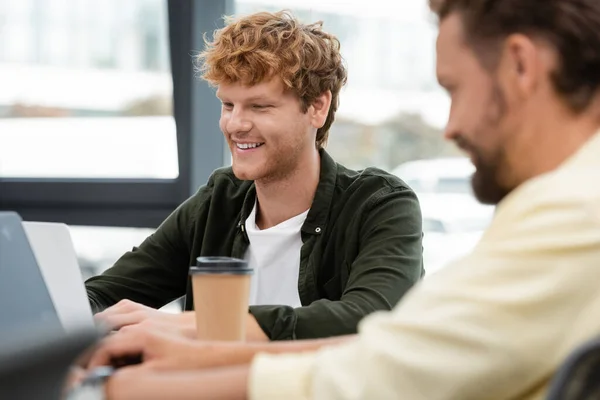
522, 65
319, 109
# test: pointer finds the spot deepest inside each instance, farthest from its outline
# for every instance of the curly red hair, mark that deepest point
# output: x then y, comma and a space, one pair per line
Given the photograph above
257, 47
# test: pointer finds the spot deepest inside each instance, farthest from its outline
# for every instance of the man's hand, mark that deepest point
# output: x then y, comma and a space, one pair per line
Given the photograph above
132, 384
138, 384
162, 351
127, 313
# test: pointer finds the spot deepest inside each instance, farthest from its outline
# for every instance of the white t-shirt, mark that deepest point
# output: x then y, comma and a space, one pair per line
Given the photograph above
274, 254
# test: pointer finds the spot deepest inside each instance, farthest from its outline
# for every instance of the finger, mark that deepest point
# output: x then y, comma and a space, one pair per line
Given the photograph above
165, 364
117, 308
122, 307
161, 327
136, 369
117, 321
153, 365
118, 346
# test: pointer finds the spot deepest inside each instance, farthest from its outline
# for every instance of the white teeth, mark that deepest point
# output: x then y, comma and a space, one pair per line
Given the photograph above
248, 145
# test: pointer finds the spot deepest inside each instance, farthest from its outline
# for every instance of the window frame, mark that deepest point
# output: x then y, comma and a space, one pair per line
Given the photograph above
143, 203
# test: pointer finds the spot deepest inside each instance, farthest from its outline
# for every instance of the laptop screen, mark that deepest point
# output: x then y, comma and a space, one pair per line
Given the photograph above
24, 298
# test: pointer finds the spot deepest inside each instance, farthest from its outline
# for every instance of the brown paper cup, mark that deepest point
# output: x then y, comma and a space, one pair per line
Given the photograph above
221, 287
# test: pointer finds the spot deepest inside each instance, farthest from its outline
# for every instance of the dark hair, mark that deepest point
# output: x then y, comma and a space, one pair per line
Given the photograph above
572, 27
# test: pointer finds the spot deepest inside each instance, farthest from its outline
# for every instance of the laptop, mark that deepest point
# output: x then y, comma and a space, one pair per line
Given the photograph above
24, 298
35, 350
57, 260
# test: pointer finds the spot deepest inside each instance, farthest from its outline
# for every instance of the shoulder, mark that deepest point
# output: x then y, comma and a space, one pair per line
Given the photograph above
553, 211
556, 191
222, 186
376, 197
377, 177
373, 183
224, 181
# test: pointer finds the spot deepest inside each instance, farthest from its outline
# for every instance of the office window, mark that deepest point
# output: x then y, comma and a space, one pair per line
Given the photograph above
392, 112
86, 90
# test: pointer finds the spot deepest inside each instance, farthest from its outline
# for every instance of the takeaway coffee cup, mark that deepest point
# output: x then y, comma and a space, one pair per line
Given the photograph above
221, 287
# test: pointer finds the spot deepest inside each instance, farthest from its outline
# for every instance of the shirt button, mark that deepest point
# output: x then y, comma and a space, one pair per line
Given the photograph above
318, 230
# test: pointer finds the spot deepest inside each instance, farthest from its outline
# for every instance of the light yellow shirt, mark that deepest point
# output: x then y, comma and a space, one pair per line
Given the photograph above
493, 325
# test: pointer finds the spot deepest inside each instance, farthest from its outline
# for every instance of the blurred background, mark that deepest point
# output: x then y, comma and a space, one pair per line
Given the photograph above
104, 125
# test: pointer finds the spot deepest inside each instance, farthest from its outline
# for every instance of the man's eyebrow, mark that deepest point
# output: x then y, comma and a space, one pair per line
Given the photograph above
251, 99
258, 98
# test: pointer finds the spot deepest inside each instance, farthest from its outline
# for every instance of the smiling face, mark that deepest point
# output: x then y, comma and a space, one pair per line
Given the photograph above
279, 81
268, 134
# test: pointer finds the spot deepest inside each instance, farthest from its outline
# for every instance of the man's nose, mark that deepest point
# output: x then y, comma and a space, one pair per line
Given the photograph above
238, 122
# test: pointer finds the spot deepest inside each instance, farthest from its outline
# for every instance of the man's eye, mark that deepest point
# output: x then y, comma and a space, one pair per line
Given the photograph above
260, 106
228, 105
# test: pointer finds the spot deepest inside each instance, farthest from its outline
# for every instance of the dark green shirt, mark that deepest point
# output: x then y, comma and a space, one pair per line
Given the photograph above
361, 251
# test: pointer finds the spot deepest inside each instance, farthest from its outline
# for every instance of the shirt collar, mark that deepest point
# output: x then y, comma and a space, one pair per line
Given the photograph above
587, 155
319, 210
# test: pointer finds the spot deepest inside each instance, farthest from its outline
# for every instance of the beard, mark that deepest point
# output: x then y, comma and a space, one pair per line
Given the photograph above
486, 188
485, 181
278, 162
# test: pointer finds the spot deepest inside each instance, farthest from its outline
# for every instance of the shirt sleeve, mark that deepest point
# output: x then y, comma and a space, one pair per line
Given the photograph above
272, 376
492, 325
155, 272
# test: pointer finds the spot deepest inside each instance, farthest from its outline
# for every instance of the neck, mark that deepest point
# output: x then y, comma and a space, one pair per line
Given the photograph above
282, 199
556, 139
